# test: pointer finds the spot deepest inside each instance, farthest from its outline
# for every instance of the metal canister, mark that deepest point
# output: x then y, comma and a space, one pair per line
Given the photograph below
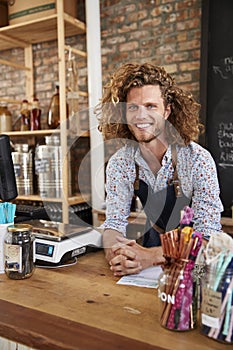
23, 166
48, 168
19, 244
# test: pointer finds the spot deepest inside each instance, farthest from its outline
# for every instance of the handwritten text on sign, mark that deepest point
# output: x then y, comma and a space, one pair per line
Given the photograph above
225, 142
225, 68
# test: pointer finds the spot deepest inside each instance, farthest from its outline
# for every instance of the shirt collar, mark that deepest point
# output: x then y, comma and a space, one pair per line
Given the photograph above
141, 161
167, 156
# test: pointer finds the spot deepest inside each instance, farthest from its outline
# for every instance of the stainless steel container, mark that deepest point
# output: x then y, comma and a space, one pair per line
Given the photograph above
23, 167
48, 168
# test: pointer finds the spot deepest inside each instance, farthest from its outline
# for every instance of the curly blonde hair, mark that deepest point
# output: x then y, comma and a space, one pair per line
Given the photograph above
183, 126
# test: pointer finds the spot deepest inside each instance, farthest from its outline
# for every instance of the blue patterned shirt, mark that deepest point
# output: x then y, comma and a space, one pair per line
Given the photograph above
197, 174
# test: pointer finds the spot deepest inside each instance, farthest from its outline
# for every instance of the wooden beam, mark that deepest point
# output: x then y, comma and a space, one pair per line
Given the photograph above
29, 73
13, 41
14, 64
76, 51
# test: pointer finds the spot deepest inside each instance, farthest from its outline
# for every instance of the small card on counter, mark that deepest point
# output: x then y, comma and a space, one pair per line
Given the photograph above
146, 278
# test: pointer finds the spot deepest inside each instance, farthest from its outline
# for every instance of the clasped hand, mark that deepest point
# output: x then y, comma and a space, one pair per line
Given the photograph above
129, 257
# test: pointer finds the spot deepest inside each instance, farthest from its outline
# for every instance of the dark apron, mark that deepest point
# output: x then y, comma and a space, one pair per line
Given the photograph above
161, 208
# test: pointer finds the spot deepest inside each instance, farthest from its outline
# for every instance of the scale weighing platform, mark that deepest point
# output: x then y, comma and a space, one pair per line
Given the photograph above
57, 243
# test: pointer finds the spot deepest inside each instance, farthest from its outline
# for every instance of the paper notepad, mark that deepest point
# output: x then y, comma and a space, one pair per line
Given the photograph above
146, 278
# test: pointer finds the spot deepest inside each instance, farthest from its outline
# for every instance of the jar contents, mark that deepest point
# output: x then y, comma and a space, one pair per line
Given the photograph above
19, 251
217, 289
35, 115
177, 290
25, 116
5, 119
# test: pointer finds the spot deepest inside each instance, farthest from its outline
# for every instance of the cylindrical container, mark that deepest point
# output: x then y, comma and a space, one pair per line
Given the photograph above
23, 167
35, 115
5, 119
48, 167
19, 251
3, 232
217, 304
25, 116
178, 299
53, 115
4, 13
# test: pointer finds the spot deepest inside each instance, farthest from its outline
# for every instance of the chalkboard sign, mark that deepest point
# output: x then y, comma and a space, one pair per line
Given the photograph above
219, 95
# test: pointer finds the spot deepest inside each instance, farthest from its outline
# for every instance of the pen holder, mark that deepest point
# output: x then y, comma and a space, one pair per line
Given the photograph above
178, 299
3, 232
217, 305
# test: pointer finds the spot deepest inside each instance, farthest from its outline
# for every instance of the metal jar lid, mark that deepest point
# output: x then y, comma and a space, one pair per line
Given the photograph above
19, 228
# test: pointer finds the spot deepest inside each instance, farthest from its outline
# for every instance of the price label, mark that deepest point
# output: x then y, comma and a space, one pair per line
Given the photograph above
211, 307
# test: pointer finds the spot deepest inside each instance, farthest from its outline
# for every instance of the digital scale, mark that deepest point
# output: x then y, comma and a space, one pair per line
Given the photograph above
57, 243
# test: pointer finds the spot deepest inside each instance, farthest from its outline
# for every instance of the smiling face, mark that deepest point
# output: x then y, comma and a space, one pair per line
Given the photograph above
146, 113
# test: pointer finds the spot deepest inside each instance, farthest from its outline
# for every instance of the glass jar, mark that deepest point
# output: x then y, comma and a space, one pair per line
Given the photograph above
25, 116
217, 304
5, 119
178, 298
53, 115
19, 251
35, 115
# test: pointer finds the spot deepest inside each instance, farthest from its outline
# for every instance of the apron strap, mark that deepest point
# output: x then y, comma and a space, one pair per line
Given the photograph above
175, 180
136, 181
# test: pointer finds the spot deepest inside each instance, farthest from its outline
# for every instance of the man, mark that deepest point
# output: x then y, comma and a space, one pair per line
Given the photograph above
160, 162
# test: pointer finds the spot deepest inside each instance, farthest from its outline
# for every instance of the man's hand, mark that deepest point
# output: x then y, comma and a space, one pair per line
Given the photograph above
130, 257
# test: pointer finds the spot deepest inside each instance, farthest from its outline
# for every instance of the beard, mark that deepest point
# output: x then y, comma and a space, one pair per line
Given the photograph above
144, 136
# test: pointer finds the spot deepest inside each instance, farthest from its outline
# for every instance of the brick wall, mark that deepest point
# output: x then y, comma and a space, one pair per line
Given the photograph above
165, 32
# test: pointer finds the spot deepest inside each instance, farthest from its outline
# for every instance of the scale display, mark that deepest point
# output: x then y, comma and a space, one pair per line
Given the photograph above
44, 249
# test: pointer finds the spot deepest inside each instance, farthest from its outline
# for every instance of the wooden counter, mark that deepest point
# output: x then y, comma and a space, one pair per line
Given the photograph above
81, 307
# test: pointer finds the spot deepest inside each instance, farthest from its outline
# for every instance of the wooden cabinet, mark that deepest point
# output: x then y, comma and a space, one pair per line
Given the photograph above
54, 27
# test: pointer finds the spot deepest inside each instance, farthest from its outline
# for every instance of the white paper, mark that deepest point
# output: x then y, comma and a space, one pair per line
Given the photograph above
146, 278
210, 321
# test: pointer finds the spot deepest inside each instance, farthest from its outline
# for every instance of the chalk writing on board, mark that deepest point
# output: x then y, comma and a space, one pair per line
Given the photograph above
225, 68
218, 70
225, 143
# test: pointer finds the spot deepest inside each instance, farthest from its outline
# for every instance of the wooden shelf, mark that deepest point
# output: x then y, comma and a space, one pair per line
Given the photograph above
41, 133
37, 31
77, 199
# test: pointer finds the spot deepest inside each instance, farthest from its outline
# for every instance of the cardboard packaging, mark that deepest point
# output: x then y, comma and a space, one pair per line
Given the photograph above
27, 10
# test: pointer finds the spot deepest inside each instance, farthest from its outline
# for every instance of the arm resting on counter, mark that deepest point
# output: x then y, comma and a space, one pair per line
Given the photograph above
128, 257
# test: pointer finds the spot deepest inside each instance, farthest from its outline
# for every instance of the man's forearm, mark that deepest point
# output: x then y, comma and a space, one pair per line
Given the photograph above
109, 239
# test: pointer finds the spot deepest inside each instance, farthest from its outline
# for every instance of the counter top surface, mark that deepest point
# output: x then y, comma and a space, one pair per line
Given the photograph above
82, 307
